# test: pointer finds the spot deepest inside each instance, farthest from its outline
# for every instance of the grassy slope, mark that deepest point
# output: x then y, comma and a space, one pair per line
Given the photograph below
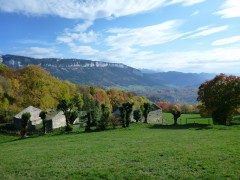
140, 152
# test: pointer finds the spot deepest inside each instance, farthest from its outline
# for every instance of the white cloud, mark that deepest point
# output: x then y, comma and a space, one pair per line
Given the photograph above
86, 9
83, 27
86, 37
230, 9
39, 52
83, 50
214, 60
195, 13
145, 36
78, 34
207, 31
186, 2
79, 9
225, 41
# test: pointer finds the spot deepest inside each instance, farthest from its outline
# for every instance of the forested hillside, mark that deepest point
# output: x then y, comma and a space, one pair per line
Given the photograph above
34, 86
163, 86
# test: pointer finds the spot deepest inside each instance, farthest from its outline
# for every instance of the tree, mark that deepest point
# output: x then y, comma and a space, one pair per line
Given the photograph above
176, 112
96, 112
146, 108
103, 122
128, 107
125, 113
78, 101
69, 112
88, 107
123, 116
4, 110
43, 116
137, 115
25, 119
221, 97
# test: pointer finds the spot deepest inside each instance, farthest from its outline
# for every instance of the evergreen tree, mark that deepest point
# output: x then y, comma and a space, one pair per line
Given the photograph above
104, 120
96, 113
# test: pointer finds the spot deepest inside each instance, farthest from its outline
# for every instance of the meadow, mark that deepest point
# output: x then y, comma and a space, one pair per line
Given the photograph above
194, 150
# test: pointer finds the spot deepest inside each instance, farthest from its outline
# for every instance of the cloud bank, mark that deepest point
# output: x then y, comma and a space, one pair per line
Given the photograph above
86, 9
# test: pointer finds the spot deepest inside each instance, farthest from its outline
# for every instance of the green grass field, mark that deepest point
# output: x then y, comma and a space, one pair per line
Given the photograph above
142, 151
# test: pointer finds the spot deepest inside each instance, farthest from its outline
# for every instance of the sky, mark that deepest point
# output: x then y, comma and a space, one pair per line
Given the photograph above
162, 35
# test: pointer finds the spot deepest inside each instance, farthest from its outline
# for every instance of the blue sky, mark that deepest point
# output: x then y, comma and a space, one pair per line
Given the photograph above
167, 35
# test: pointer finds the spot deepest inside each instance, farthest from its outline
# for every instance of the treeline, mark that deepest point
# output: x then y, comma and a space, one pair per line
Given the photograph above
34, 86
184, 108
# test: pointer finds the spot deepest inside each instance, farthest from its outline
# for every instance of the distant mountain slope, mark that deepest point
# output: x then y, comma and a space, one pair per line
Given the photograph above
179, 79
83, 71
162, 86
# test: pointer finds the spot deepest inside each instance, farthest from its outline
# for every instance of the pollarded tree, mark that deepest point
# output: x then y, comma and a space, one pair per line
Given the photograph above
146, 108
69, 111
43, 116
176, 112
123, 116
137, 115
25, 119
221, 97
128, 109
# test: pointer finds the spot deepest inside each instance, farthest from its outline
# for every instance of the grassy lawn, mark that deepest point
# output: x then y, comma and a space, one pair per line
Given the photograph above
187, 119
140, 152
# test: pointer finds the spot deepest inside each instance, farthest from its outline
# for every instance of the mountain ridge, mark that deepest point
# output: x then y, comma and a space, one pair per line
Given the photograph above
80, 71
158, 86
83, 67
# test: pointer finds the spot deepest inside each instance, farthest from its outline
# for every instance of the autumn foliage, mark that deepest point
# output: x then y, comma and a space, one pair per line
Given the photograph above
184, 108
220, 97
34, 86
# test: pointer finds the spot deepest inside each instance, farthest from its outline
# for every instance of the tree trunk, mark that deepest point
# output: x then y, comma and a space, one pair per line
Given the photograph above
123, 123
175, 121
23, 132
88, 125
127, 122
44, 127
145, 119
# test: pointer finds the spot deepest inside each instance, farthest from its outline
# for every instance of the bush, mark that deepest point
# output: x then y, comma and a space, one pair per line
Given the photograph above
113, 121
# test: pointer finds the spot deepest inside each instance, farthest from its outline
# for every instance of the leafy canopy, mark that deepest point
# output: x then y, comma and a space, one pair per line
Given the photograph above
221, 97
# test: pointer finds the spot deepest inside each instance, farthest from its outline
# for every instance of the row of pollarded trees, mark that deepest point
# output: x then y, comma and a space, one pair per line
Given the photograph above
99, 114
96, 114
126, 110
25, 120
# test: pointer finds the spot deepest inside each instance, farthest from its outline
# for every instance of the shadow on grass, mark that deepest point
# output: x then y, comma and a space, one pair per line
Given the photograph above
184, 126
74, 132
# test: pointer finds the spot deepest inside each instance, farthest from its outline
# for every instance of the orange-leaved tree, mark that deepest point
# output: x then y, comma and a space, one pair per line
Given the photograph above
221, 97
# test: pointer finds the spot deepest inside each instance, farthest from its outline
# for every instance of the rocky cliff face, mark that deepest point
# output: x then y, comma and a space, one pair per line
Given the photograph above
21, 61
1, 60
81, 71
